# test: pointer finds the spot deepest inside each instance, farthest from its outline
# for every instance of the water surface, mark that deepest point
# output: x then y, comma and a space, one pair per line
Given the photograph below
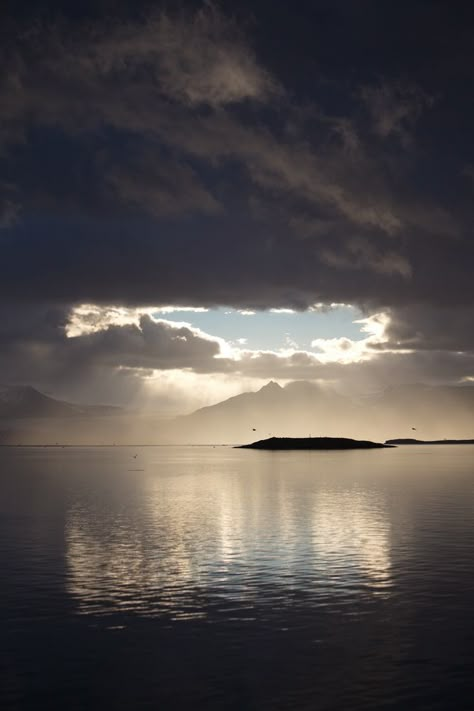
201, 577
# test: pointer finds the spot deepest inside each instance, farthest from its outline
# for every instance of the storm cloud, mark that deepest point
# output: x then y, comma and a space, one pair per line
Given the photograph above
154, 156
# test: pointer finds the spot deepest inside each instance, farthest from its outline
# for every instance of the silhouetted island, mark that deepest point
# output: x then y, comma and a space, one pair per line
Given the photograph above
314, 443
432, 441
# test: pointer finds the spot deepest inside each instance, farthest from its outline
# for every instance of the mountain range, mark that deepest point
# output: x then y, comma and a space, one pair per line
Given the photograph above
21, 401
299, 409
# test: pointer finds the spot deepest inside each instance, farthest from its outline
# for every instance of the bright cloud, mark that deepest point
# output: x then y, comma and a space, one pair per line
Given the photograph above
90, 319
346, 350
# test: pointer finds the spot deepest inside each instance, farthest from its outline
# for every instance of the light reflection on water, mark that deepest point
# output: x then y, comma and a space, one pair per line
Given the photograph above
220, 578
234, 535
352, 538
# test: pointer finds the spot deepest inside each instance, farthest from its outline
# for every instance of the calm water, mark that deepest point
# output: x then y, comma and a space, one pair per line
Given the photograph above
200, 577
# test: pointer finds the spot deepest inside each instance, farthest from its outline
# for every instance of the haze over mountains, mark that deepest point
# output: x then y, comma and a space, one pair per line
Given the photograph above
299, 409
24, 401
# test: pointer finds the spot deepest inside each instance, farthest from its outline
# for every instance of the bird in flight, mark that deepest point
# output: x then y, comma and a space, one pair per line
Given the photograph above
413, 428
253, 429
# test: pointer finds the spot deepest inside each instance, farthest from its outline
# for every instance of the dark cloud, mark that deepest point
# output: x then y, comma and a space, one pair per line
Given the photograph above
9, 208
41, 334
394, 109
149, 344
428, 328
161, 186
267, 160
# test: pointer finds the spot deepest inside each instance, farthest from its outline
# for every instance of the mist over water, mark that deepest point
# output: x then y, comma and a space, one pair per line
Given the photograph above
299, 409
213, 577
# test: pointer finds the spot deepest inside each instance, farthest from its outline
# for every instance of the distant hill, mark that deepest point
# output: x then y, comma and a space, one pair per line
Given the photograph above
295, 410
298, 409
424, 411
24, 401
422, 397
302, 409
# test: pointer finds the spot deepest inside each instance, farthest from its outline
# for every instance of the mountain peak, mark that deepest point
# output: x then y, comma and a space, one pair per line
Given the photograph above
270, 387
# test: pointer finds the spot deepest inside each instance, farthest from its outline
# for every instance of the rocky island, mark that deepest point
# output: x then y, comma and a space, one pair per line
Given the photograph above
409, 440
285, 443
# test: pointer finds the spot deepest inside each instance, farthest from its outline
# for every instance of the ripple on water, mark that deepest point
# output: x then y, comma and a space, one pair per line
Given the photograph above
281, 577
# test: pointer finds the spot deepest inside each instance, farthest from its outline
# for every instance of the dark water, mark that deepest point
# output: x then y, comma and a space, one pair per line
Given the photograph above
217, 578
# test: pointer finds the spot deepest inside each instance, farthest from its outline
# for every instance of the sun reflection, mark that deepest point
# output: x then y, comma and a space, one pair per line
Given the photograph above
124, 571
351, 534
204, 535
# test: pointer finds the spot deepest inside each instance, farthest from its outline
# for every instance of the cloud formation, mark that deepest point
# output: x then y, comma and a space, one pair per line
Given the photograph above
176, 157
123, 356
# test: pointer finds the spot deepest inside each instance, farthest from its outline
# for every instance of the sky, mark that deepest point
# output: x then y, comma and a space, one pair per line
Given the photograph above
199, 197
